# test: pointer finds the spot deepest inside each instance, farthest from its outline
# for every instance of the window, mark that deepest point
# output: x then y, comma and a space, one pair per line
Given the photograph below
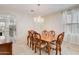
71, 25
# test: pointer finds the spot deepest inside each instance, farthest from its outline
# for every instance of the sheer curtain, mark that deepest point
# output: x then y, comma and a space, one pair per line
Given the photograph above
71, 25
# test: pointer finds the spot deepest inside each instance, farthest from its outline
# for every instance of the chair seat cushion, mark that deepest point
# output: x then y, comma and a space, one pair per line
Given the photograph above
43, 45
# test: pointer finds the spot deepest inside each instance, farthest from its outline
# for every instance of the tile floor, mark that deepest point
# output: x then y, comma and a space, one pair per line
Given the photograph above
20, 48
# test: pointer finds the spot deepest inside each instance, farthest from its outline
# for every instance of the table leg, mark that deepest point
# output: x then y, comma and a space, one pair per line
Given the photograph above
49, 49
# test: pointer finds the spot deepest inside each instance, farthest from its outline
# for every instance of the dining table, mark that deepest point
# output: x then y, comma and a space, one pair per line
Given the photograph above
48, 39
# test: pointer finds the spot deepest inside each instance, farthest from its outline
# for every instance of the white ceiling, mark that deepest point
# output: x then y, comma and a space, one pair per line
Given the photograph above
44, 9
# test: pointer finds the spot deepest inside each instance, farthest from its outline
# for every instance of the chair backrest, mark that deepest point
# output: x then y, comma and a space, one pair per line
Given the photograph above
36, 37
52, 33
45, 32
60, 38
30, 34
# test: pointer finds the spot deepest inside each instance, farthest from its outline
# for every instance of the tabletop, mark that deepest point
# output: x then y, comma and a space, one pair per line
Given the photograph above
48, 38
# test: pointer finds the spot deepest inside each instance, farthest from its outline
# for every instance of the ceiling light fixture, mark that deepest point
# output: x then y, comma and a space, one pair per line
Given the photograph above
38, 19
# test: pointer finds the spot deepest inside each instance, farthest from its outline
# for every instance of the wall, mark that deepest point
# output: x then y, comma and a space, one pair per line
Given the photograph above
54, 22
24, 22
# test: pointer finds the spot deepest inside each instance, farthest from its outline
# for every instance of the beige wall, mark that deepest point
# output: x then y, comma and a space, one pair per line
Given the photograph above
54, 22
24, 22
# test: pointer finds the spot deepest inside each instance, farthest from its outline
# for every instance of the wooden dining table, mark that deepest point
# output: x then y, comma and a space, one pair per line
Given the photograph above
48, 39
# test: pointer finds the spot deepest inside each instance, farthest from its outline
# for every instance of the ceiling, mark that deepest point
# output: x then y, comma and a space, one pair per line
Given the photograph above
34, 9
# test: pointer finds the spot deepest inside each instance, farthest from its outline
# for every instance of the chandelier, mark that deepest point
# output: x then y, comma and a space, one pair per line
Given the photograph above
38, 19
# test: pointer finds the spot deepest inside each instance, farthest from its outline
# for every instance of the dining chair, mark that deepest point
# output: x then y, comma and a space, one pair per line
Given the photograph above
45, 32
40, 45
34, 40
28, 38
52, 34
57, 45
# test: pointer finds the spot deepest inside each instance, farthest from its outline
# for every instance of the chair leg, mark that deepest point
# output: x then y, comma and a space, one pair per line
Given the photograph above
33, 46
39, 51
57, 50
35, 49
30, 44
27, 40
60, 51
46, 49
